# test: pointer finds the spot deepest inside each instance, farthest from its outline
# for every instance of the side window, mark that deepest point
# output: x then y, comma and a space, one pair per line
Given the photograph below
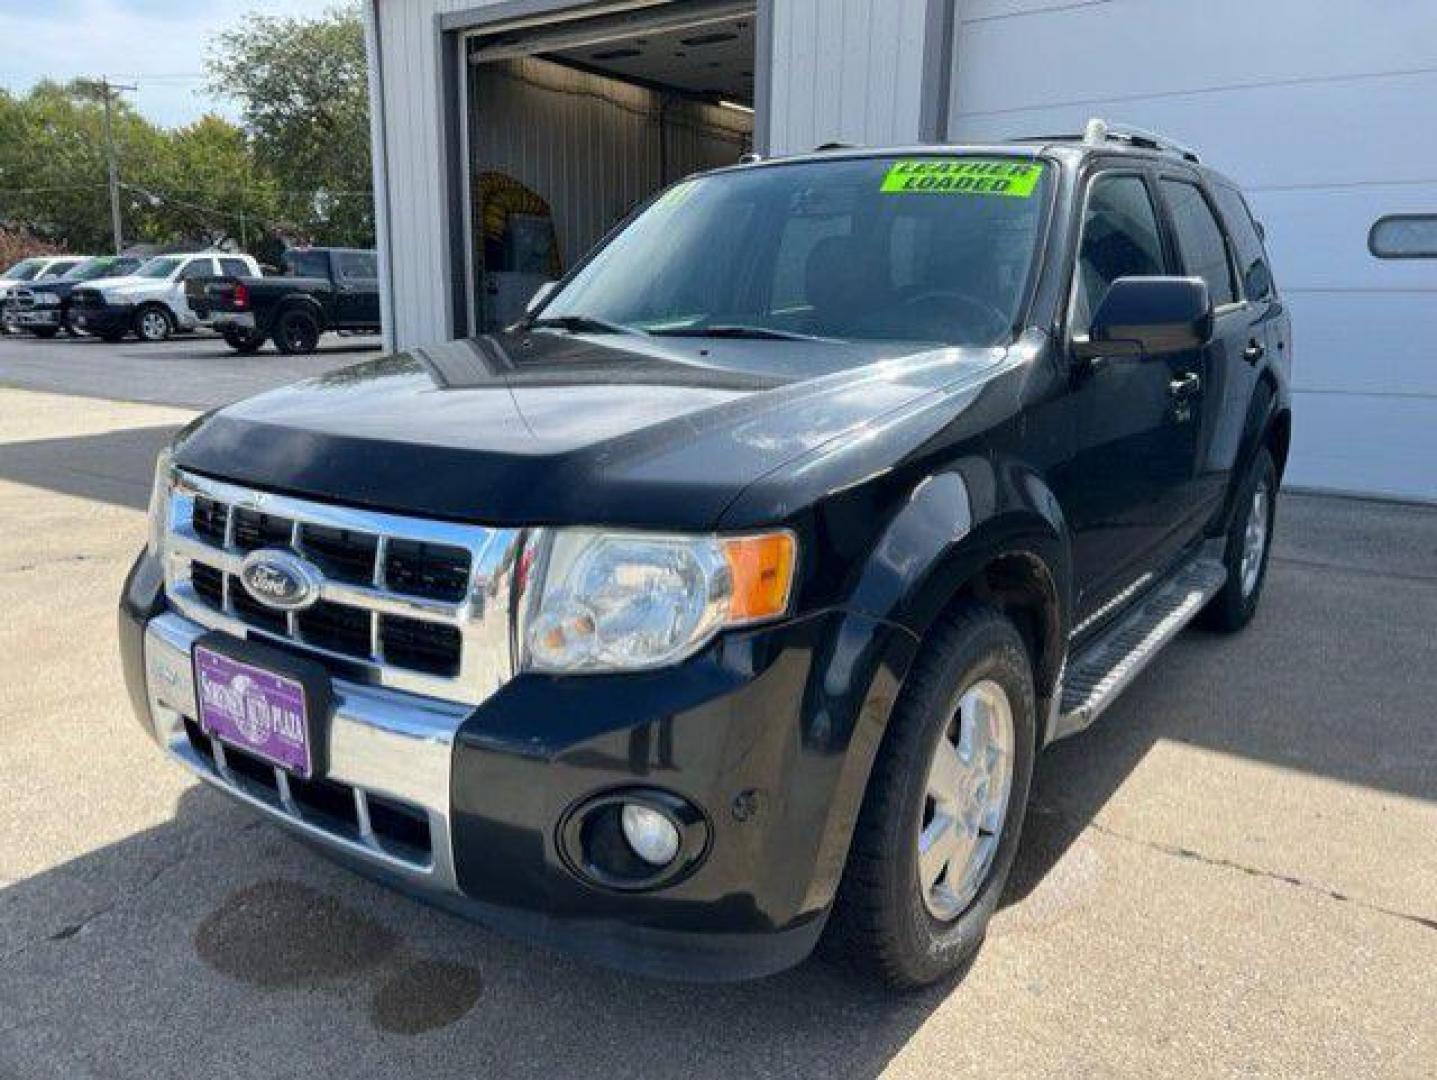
197, 268
1200, 239
1251, 258
235, 268
1120, 239
362, 265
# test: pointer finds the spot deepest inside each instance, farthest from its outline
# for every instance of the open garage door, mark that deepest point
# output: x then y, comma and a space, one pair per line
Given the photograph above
571, 124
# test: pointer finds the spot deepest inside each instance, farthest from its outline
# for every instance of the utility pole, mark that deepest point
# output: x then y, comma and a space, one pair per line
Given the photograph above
109, 89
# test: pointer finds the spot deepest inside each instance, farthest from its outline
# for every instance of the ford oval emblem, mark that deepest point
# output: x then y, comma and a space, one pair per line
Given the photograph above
279, 579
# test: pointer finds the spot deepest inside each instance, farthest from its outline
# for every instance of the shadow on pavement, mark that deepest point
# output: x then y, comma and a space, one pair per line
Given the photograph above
114, 466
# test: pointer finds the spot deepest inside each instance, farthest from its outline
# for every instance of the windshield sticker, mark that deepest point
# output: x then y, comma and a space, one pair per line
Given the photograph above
962, 176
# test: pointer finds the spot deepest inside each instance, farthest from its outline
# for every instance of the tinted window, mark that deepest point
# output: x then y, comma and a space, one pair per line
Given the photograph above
1404, 236
198, 268
935, 249
359, 264
306, 264
60, 269
23, 270
1251, 259
235, 267
1120, 239
1200, 239
161, 267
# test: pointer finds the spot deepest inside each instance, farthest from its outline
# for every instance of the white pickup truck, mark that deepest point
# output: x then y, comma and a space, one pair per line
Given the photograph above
150, 303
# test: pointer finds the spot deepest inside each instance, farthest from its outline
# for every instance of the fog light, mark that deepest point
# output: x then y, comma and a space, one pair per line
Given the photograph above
654, 838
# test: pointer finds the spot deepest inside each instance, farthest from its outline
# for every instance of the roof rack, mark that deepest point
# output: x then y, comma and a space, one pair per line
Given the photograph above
1098, 131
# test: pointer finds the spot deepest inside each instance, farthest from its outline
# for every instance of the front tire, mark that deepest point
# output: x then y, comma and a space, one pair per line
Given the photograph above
296, 331
1247, 548
944, 809
154, 324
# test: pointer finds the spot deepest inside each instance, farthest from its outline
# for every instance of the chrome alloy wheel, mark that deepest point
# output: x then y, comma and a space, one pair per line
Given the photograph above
966, 802
1254, 540
154, 326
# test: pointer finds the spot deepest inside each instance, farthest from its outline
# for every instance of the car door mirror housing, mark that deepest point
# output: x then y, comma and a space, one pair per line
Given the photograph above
542, 293
1149, 316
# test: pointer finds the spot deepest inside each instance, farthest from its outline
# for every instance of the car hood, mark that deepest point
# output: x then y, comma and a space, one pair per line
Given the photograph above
545, 428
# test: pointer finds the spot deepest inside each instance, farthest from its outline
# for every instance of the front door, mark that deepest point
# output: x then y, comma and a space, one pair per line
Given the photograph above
1130, 488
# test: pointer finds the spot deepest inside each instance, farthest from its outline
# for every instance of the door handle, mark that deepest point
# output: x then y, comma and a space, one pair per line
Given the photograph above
1188, 383
1254, 351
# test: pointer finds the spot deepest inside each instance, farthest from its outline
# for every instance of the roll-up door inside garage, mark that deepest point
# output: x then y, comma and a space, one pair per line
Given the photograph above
573, 124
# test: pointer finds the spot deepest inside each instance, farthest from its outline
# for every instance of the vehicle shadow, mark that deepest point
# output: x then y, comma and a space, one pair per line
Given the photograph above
114, 467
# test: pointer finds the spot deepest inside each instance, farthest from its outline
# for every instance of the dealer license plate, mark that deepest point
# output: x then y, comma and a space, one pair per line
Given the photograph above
254, 709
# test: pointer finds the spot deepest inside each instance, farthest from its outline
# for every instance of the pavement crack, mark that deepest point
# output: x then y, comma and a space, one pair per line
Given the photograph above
1178, 851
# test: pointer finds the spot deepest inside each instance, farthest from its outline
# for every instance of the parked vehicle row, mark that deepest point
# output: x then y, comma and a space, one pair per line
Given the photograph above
152, 299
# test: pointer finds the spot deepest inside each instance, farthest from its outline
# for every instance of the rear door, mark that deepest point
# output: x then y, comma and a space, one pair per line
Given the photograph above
1128, 487
1239, 330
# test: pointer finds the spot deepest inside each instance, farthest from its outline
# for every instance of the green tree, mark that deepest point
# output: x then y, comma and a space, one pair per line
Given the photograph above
303, 92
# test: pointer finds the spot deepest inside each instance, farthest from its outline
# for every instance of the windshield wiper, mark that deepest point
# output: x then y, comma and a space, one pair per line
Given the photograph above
582, 324
753, 333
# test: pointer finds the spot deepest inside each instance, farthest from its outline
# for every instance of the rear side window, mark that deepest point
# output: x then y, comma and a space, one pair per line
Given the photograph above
1120, 239
307, 264
235, 267
1251, 258
358, 264
1200, 239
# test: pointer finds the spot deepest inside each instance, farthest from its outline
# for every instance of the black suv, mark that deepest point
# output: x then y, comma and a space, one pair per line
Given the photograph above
726, 600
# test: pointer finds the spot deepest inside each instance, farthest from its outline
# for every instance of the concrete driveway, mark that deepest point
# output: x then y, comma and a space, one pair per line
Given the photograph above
1233, 874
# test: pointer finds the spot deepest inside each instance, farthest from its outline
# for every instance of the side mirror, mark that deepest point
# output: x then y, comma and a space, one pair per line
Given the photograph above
1149, 316
541, 294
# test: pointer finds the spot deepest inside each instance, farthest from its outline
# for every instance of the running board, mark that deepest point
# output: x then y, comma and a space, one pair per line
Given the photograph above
1097, 675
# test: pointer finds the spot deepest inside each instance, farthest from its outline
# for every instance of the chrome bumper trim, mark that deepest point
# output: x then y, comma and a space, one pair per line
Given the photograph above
382, 742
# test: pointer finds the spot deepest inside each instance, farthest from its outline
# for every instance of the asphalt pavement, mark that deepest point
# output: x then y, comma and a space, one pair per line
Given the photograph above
1233, 874
197, 370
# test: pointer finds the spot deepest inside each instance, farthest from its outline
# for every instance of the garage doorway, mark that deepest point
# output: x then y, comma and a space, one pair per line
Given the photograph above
573, 122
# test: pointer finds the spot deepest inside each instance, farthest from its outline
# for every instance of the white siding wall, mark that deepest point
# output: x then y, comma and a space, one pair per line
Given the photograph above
846, 71
1323, 111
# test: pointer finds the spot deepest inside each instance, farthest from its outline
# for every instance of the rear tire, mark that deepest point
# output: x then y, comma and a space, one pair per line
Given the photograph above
246, 342
888, 921
1248, 546
296, 331
154, 324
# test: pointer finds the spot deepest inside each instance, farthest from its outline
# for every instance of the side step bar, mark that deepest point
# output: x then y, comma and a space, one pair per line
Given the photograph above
1097, 675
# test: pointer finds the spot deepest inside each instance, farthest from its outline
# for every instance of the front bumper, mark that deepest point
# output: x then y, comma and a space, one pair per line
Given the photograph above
103, 319
764, 736
47, 316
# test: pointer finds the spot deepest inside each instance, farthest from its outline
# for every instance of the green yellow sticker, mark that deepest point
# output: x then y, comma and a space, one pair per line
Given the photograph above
962, 176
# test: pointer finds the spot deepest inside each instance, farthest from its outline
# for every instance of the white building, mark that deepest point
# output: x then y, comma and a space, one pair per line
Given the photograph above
549, 119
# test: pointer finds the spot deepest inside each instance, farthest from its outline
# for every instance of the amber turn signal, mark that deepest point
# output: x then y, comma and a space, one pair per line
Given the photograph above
762, 568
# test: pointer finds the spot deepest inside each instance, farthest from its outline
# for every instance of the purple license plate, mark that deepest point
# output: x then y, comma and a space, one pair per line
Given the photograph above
254, 710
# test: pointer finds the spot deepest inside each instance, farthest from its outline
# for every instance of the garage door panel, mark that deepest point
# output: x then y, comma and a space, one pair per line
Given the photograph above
1004, 62
1318, 236
1361, 443
1365, 343
1331, 133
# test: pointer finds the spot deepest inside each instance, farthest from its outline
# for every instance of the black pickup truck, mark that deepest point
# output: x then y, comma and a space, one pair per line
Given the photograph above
321, 289
726, 601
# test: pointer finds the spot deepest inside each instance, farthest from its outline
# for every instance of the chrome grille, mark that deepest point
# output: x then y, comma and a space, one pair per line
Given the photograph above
410, 604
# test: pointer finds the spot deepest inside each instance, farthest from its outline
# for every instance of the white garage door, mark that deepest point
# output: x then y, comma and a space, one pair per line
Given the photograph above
1323, 111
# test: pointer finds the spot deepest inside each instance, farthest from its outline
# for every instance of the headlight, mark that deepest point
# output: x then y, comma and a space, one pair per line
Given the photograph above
611, 601
160, 501
46, 299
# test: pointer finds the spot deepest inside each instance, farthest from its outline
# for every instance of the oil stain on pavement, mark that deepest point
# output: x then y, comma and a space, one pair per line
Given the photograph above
278, 935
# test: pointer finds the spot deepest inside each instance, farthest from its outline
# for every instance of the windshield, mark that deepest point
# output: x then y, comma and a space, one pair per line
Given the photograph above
158, 268
102, 266
23, 270
933, 250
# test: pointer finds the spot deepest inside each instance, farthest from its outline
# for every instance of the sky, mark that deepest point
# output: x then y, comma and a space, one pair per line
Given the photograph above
157, 45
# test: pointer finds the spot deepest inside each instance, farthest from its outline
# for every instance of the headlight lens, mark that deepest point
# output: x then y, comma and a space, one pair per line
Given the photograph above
160, 501
610, 601
46, 299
